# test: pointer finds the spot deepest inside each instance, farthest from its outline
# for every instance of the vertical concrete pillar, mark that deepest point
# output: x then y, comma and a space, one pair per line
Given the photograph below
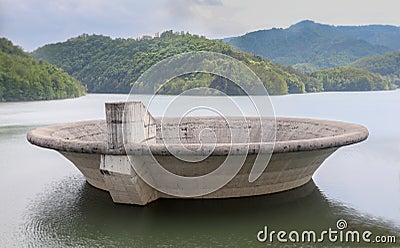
127, 123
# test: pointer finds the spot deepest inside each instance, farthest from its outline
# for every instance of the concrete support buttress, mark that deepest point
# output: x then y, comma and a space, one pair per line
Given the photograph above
128, 122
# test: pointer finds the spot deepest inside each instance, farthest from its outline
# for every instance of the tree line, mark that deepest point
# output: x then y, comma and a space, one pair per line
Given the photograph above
106, 65
24, 78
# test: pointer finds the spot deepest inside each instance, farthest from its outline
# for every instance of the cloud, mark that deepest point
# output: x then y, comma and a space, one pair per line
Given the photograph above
186, 8
206, 2
206, 17
32, 23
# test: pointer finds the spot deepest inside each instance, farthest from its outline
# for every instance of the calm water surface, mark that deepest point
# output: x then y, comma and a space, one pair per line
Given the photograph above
46, 202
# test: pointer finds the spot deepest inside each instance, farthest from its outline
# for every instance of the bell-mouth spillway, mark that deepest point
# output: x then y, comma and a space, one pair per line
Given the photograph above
299, 147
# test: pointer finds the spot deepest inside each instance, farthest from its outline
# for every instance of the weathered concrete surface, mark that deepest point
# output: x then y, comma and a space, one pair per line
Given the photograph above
124, 185
292, 135
97, 149
129, 121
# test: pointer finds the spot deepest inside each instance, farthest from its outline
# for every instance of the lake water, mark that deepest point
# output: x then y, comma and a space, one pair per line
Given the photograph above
46, 202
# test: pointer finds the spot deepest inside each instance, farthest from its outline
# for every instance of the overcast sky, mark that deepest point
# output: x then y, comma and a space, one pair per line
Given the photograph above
33, 23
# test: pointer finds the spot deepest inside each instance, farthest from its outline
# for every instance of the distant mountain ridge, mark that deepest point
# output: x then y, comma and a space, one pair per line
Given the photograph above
107, 65
383, 35
310, 46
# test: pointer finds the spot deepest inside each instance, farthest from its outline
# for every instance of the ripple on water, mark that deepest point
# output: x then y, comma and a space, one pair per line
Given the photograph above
72, 213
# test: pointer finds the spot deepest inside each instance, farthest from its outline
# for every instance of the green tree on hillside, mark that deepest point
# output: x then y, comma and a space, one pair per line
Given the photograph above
108, 65
23, 78
387, 65
351, 79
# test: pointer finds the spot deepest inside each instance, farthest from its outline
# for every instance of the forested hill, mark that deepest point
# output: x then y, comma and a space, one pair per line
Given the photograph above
108, 65
24, 78
383, 35
351, 79
387, 65
312, 46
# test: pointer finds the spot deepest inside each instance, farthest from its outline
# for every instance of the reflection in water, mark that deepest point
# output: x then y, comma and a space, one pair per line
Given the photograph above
70, 212
9, 132
74, 213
